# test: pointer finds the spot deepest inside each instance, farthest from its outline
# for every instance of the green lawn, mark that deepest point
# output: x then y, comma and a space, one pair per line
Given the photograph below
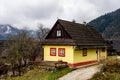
112, 57
38, 74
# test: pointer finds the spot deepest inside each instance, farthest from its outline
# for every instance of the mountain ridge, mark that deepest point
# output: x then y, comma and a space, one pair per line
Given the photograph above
108, 25
7, 29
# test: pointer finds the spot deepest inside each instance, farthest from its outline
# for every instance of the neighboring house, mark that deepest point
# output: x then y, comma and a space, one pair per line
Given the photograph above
115, 46
74, 43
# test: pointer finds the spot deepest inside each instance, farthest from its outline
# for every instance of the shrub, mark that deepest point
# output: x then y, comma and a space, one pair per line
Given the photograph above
111, 66
109, 71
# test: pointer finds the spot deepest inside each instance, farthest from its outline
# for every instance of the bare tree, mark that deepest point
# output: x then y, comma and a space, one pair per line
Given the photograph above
41, 32
20, 48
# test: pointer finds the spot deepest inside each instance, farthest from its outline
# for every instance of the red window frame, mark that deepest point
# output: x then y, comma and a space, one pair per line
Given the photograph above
51, 53
59, 50
84, 51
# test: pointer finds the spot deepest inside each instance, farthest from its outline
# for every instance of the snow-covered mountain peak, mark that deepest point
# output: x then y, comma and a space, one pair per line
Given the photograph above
6, 30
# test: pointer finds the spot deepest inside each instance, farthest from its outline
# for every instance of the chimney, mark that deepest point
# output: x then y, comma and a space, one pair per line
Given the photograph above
84, 23
73, 21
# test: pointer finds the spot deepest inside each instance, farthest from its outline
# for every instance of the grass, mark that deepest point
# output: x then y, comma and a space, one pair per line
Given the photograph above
109, 76
110, 70
31, 75
57, 74
38, 74
111, 58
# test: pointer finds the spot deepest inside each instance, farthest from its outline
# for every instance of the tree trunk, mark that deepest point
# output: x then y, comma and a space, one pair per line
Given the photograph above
13, 71
19, 67
25, 62
19, 70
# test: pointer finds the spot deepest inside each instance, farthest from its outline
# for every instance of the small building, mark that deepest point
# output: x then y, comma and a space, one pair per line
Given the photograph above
74, 43
115, 46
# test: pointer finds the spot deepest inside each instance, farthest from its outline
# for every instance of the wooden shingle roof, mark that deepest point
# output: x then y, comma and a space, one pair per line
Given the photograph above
81, 34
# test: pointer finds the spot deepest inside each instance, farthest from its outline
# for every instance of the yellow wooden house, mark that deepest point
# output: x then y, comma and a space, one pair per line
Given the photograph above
74, 43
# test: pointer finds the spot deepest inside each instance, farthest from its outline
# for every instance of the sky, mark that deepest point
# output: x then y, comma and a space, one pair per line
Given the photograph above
30, 13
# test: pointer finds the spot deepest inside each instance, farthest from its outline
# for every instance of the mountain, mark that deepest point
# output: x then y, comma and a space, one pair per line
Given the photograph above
32, 33
108, 25
6, 30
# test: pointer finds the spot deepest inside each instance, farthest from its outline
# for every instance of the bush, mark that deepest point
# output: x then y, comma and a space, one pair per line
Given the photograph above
109, 71
112, 66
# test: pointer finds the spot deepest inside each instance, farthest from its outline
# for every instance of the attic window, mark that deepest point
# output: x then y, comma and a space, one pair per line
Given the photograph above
58, 33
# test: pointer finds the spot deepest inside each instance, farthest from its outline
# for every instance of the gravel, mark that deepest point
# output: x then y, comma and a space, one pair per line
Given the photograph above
82, 73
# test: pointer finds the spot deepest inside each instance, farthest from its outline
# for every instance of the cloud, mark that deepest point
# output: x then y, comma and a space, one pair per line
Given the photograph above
105, 6
31, 12
27, 12
41, 10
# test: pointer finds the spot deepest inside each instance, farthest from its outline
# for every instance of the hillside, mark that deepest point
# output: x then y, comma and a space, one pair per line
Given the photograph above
108, 25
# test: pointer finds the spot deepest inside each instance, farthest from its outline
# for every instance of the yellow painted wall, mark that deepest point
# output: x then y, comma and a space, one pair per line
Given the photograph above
68, 53
78, 55
72, 55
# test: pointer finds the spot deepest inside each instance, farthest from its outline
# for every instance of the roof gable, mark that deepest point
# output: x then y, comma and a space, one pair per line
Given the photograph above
53, 33
79, 34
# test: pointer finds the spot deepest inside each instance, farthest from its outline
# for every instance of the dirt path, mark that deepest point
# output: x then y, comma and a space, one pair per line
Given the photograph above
82, 73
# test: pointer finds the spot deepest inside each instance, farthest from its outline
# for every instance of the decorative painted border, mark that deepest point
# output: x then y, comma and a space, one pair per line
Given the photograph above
81, 63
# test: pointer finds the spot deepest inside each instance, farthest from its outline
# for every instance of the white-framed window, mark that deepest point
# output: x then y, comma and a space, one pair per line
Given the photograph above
61, 52
58, 33
52, 51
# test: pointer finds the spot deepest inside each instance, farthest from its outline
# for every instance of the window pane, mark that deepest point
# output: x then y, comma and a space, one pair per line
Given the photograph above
52, 51
58, 33
61, 52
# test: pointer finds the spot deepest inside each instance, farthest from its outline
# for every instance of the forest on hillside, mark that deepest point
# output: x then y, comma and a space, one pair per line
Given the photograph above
108, 25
